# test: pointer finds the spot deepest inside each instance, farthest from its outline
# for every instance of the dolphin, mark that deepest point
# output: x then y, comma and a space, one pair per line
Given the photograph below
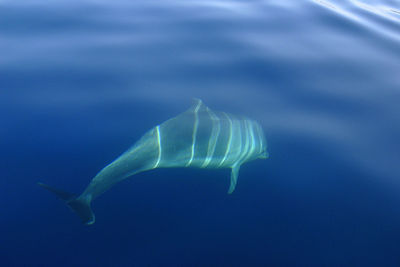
198, 137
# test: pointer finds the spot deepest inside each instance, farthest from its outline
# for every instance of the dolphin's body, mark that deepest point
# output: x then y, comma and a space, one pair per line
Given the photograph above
198, 137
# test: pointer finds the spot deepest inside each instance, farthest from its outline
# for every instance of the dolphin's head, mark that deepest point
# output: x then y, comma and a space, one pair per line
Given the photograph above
264, 154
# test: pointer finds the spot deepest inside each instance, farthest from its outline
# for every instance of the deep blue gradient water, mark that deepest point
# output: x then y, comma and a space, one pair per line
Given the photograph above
81, 81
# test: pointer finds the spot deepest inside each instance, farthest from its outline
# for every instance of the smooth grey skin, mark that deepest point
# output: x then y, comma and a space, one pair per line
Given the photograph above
198, 137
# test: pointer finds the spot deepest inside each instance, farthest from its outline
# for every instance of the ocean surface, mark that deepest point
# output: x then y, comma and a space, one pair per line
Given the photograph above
81, 81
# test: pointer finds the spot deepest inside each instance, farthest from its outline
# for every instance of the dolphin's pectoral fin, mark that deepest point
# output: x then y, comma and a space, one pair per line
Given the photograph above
234, 176
78, 205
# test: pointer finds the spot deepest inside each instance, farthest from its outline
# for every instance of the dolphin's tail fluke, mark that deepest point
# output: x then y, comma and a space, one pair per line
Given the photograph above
79, 205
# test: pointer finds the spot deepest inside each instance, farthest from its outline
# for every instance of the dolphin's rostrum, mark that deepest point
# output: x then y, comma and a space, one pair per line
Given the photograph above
198, 137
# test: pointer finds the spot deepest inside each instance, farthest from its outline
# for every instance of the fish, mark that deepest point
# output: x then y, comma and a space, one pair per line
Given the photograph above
198, 137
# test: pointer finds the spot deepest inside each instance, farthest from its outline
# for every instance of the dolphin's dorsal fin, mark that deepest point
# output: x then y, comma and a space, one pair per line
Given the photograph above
234, 177
197, 105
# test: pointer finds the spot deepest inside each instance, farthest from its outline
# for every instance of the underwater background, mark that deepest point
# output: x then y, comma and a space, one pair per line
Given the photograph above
81, 81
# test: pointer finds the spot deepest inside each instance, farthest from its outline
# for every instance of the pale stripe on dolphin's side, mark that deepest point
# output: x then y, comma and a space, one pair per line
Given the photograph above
228, 146
216, 127
259, 133
195, 125
159, 146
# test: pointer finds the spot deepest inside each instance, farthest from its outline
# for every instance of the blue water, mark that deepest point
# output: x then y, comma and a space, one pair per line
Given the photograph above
81, 81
